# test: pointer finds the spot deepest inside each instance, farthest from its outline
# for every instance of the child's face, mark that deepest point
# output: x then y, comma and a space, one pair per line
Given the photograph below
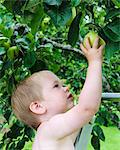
57, 98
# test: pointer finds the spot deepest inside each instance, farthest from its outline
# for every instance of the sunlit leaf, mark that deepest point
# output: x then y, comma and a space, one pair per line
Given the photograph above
59, 15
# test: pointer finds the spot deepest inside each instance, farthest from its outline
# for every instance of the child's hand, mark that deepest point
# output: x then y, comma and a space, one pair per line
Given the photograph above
93, 53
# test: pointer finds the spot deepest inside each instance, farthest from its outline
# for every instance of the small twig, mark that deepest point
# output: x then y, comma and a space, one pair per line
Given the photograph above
63, 47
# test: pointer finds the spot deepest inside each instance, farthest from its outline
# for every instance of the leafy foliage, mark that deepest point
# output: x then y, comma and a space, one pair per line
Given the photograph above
25, 24
59, 15
73, 33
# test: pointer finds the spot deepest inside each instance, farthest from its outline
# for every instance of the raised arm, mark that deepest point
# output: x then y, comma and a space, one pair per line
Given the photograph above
89, 100
90, 95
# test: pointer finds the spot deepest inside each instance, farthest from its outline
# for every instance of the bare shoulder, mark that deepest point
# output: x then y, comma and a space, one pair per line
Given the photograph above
63, 125
47, 130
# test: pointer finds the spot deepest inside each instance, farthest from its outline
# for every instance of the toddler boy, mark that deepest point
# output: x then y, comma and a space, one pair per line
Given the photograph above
42, 102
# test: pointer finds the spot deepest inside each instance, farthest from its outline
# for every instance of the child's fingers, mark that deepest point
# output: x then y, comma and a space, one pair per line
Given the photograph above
95, 44
83, 48
88, 46
101, 47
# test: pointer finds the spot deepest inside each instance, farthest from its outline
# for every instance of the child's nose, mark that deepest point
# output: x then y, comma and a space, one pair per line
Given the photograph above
66, 89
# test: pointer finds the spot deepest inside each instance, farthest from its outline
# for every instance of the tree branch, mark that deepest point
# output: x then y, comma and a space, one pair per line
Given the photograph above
61, 46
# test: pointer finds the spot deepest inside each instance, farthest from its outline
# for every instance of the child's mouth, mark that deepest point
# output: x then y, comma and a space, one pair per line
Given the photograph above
70, 96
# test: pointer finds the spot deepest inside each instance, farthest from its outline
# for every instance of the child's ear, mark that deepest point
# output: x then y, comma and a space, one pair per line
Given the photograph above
37, 108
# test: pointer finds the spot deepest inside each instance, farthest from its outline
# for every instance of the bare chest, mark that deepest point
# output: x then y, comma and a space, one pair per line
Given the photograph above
67, 143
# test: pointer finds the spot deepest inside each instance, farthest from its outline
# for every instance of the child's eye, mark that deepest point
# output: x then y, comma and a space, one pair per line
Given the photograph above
56, 85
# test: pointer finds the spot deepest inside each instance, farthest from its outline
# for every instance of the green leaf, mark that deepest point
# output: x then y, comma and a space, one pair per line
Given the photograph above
14, 131
3, 38
115, 26
10, 84
17, 6
1, 64
28, 15
115, 119
116, 2
29, 59
9, 5
75, 2
30, 36
30, 4
53, 2
33, 12
59, 15
54, 67
12, 146
1, 145
29, 132
7, 32
39, 65
73, 33
112, 13
111, 35
93, 26
7, 114
20, 144
99, 132
2, 50
110, 48
22, 41
12, 52
7, 65
36, 18
100, 120
95, 142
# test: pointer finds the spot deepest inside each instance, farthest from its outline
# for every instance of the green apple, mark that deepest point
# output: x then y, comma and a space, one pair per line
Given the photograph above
12, 51
92, 36
72, 17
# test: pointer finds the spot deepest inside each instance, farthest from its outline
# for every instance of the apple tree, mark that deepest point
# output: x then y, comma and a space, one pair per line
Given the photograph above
45, 34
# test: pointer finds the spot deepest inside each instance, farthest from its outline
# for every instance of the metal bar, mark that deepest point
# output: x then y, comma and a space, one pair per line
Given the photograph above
110, 95
115, 97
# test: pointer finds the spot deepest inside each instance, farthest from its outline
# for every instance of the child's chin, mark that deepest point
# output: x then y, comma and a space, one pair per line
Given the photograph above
70, 105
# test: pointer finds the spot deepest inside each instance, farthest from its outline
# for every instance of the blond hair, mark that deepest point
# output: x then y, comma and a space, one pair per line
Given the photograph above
26, 92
